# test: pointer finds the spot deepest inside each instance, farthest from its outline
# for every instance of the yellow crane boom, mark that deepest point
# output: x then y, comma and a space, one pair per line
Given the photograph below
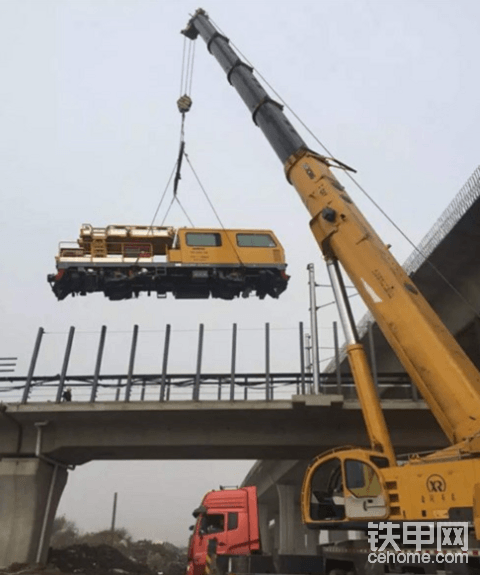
348, 488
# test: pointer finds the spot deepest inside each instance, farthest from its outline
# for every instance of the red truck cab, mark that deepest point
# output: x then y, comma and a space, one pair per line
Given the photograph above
231, 517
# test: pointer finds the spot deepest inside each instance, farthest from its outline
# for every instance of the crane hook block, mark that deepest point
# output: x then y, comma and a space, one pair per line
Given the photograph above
184, 104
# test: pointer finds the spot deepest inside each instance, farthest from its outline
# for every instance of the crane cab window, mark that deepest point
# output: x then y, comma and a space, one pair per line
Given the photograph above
361, 479
203, 239
255, 241
327, 499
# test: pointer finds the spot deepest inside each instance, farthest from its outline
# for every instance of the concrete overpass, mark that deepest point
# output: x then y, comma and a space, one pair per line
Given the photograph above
449, 278
40, 442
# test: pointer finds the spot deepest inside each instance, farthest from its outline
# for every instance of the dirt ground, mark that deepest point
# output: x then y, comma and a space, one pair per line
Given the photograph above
84, 560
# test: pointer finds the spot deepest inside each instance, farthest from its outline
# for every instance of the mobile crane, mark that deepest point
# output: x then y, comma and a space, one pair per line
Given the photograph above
349, 487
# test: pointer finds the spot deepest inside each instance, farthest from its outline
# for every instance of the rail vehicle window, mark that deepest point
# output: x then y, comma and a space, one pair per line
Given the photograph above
232, 521
327, 501
203, 239
255, 241
361, 479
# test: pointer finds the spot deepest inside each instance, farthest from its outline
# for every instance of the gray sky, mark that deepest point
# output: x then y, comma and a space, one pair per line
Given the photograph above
89, 133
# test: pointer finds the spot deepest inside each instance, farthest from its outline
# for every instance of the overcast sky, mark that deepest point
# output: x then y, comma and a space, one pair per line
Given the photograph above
89, 133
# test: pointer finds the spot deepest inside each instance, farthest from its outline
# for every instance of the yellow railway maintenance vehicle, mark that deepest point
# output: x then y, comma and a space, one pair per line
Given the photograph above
122, 261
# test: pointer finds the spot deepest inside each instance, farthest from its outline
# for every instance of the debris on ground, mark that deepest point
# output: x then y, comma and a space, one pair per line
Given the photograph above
96, 560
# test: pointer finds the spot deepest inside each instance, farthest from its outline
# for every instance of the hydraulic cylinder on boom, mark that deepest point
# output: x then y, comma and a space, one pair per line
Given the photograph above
347, 488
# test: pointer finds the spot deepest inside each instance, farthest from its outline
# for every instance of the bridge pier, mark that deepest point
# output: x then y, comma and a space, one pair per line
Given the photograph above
31, 489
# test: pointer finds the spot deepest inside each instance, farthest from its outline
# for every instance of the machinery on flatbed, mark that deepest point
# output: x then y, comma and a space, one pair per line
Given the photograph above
349, 488
123, 261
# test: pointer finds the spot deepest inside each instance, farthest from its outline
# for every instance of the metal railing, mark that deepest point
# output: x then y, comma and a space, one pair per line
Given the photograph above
199, 385
181, 387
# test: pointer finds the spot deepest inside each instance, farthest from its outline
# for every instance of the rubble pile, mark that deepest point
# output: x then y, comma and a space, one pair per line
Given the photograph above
96, 560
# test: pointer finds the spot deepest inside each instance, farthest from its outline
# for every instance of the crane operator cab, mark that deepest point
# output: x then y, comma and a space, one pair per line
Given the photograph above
342, 487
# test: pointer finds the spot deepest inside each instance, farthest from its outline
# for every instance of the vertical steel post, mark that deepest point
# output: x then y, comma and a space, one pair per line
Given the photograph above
219, 391
314, 328
119, 386
233, 365
308, 357
337, 358
66, 359
196, 387
33, 362
142, 394
268, 389
98, 364
302, 359
131, 363
373, 359
114, 516
415, 394
166, 346
169, 389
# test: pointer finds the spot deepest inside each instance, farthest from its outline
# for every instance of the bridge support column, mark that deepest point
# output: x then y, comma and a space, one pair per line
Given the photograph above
263, 520
292, 531
30, 491
311, 541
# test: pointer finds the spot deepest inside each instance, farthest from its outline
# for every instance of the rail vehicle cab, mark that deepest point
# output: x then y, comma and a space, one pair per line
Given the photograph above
344, 489
226, 247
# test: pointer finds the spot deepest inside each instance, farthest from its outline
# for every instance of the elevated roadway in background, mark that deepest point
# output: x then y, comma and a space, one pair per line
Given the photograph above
449, 279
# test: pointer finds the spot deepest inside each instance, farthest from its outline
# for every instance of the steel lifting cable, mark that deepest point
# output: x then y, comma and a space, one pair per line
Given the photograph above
162, 198
213, 208
347, 171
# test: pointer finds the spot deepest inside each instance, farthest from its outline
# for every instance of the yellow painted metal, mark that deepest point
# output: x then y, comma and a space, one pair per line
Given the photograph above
229, 251
444, 375
131, 241
372, 412
118, 238
416, 491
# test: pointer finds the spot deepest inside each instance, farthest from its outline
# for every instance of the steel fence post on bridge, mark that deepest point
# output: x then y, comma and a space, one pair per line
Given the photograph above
196, 387
131, 364
119, 387
337, 358
268, 384
166, 346
98, 364
414, 390
302, 358
33, 361
314, 329
66, 359
234, 357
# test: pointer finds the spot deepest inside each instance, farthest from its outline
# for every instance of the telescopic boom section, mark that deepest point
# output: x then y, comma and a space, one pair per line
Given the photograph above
446, 378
